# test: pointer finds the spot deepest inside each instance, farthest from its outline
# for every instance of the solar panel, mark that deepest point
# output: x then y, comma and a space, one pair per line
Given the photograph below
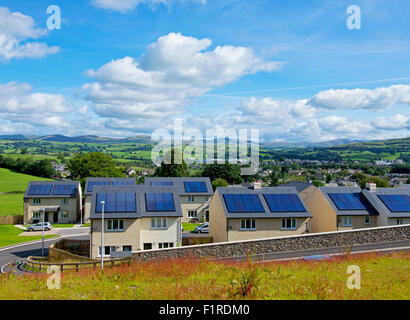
66, 189
123, 183
396, 202
284, 203
162, 183
195, 186
116, 202
97, 183
40, 189
243, 203
349, 201
159, 202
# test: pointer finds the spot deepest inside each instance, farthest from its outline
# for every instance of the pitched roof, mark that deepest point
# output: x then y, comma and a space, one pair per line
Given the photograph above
299, 185
88, 188
380, 206
266, 210
52, 189
350, 190
140, 211
179, 184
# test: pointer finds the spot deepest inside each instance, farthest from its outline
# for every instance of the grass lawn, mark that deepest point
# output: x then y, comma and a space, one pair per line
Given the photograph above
9, 235
62, 225
190, 226
14, 181
382, 277
11, 204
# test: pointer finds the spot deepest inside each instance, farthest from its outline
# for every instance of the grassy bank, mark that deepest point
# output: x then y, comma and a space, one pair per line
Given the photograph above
9, 235
382, 277
11, 204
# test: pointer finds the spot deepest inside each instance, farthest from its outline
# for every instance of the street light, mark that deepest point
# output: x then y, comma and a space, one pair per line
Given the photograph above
102, 235
42, 243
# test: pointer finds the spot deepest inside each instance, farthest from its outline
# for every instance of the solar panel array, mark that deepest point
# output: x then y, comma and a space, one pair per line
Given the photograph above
195, 186
108, 182
284, 203
162, 183
123, 183
40, 189
396, 202
243, 203
116, 202
349, 201
159, 202
91, 184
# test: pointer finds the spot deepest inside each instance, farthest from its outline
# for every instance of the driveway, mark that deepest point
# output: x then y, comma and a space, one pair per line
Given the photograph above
24, 250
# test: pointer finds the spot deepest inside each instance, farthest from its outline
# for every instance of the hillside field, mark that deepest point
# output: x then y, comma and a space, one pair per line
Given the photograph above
382, 277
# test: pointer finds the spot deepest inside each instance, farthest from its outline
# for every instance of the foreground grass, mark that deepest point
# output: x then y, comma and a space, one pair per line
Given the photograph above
9, 235
190, 226
382, 277
14, 181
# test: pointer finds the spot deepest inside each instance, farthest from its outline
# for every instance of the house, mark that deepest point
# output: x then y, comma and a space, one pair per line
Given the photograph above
135, 218
194, 194
256, 212
392, 204
91, 182
130, 172
340, 208
59, 200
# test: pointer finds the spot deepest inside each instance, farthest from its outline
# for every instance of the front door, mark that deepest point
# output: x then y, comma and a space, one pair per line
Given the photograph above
46, 216
55, 217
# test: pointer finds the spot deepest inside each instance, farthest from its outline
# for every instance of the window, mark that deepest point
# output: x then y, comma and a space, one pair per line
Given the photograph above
126, 248
115, 225
289, 224
366, 220
192, 214
206, 199
107, 251
191, 199
37, 215
347, 221
36, 201
158, 223
399, 221
147, 246
63, 214
248, 224
164, 245
64, 201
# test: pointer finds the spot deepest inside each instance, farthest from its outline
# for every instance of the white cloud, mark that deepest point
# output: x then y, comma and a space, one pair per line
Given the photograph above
15, 31
124, 6
19, 104
172, 72
371, 99
396, 122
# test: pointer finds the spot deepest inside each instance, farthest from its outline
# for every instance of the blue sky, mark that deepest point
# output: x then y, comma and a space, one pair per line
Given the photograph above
291, 69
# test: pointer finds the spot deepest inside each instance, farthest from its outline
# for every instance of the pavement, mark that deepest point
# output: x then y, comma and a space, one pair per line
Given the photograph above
20, 252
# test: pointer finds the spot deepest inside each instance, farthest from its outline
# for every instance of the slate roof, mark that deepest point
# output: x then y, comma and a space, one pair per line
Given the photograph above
140, 211
88, 180
260, 192
373, 198
54, 184
326, 190
178, 183
299, 185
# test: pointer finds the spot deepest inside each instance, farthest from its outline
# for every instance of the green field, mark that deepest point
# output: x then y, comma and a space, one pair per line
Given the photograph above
9, 235
14, 181
11, 204
189, 226
382, 277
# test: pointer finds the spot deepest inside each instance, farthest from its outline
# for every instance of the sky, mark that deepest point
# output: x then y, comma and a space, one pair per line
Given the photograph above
295, 70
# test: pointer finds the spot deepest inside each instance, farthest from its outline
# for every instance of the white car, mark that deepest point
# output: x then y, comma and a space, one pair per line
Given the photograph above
203, 228
39, 227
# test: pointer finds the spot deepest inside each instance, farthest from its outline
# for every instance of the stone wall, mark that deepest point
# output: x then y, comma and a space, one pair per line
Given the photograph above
341, 239
15, 219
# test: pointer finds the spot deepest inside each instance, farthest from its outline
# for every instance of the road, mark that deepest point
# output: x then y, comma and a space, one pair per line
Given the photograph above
21, 251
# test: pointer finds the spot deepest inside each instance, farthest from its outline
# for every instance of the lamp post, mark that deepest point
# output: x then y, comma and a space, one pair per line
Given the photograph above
42, 243
102, 235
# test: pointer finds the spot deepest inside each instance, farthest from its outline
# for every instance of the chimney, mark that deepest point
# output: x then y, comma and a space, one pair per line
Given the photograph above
371, 186
257, 185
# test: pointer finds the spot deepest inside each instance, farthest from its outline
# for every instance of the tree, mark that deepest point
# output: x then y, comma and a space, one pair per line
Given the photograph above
380, 183
24, 150
408, 180
42, 168
229, 172
172, 169
274, 179
219, 183
92, 164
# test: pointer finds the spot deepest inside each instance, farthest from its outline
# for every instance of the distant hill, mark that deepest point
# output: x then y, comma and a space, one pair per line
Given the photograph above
291, 145
79, 139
